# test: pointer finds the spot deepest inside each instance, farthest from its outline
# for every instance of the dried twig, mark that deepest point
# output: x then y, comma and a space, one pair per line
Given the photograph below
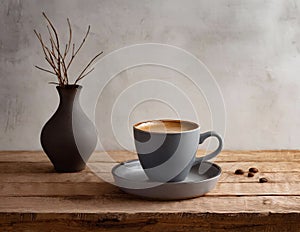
80, 46
46, 70
57, 40
68, 45
48, 56
87, 73
82, 75
54, 83
57, 59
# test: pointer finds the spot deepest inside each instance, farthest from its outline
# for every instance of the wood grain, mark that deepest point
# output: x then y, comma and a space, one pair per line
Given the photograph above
87, 176
97, 189
46, 167
119, 202
121, 156
33, 197
151, 222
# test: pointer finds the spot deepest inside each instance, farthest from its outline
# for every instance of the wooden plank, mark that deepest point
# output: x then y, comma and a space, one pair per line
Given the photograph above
49, 177
224, 156
23, 156
255, 189
230, 167
150, 222
23, 167
56, 189
35, 198
120, 156
226, 177
261, 166
93, 177
99, 188
46, 167
275, 177
123, 211
123, 203
40, 156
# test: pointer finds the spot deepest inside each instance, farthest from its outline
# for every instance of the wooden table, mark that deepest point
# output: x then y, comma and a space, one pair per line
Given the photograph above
35, 198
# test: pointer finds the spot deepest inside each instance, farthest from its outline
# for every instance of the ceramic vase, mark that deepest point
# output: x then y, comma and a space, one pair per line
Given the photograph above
69, 137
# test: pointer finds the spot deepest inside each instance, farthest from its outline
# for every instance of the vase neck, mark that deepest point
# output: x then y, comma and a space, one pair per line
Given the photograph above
68, 96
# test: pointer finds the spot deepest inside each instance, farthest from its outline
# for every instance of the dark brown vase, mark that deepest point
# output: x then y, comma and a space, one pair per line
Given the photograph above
69, 137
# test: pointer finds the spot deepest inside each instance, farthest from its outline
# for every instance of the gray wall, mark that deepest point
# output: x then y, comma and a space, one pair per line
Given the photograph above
251, 47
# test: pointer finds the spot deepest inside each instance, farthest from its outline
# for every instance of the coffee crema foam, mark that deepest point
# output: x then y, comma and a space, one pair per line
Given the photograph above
162, 126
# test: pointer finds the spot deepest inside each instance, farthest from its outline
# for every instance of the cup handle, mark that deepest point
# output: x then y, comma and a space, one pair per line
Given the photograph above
204, 136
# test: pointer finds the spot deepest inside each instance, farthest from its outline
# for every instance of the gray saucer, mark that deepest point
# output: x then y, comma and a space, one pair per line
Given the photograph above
131, 178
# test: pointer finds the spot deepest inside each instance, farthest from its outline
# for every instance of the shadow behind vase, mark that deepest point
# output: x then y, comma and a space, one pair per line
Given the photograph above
69, 137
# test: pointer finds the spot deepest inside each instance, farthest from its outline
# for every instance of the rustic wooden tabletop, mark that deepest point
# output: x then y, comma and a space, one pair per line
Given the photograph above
35, 198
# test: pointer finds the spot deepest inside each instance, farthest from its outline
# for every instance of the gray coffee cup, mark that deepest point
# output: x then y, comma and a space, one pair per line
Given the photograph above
167, 148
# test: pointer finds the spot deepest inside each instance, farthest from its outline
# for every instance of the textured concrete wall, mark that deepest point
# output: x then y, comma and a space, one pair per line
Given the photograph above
251, 47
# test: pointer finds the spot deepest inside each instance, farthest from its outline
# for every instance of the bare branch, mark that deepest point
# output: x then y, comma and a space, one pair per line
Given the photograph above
65, 71
80, 46
51, 42
61, 59
53, 29
46, 70
70, 39
73, 50
51, 56
54, 83
78, 79
54, 50
57, 40
48, 56
57, 58
38, 35
88, 65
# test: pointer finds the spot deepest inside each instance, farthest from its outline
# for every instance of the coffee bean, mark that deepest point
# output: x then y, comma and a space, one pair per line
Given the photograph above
250, 174
254, 170
239, 172
263, 180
